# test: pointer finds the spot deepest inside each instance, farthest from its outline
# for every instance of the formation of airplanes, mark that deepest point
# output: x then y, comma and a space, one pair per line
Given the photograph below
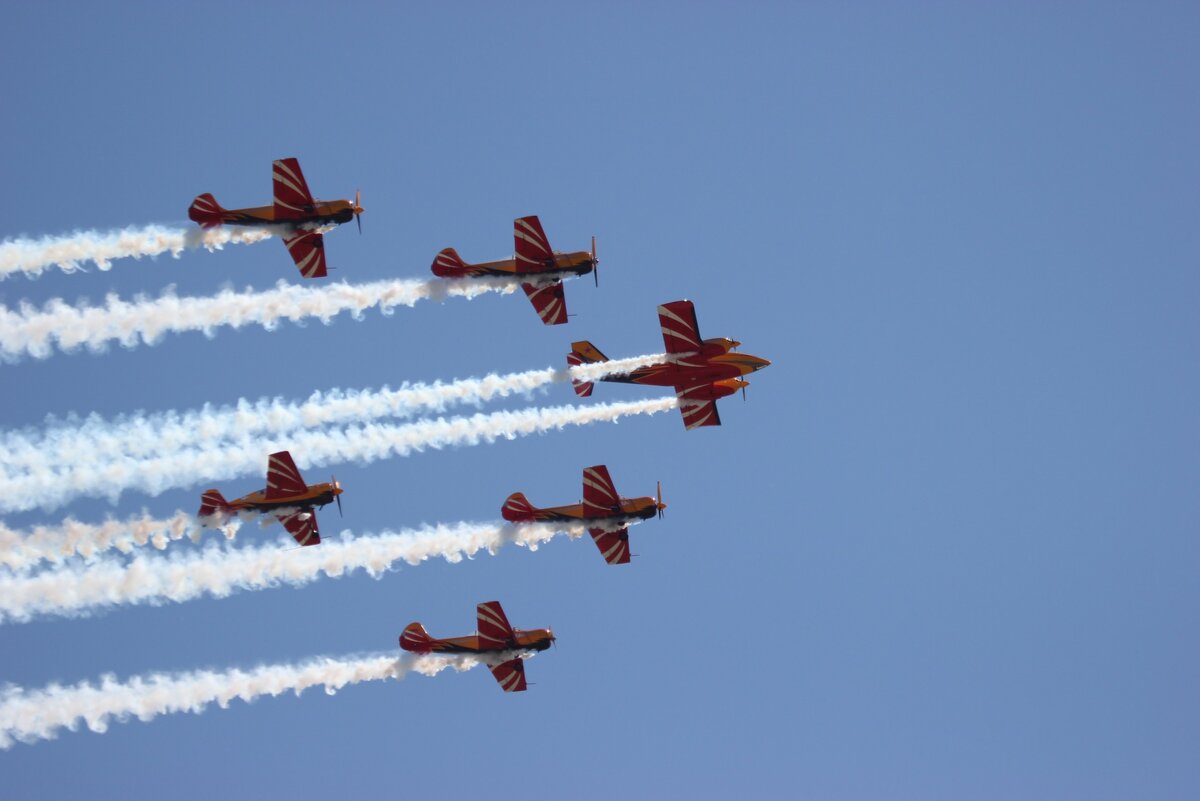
701, 371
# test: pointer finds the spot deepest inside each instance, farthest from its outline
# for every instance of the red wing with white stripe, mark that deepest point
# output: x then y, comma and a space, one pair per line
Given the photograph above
307, 249
549, 301
533, 249
681, 333
303, 527
613, 545
600, 498
511, 675
283, 478
494, 631
292, 199
697, 413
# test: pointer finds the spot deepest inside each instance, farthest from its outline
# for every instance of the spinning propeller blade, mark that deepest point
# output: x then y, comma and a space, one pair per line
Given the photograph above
660, 505
595, 263
358, 209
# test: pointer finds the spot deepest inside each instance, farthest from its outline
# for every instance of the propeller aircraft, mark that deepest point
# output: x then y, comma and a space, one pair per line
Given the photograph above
293, 206
701, 371
287, 499
543, 268
601, 505
495, 636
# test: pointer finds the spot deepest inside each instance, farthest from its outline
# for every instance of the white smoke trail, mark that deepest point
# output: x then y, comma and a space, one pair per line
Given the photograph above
218, 572
30, 715
185, 467
23, 551
29, 331
141, 436
72, 251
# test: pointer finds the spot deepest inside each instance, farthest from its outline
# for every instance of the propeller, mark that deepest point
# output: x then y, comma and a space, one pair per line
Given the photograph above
660, 505
337, 494
595, 263
358, 209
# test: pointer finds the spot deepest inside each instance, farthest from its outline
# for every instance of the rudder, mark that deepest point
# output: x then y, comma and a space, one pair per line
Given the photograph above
207, 211
416, 639
518, 509
448, 264
213, 503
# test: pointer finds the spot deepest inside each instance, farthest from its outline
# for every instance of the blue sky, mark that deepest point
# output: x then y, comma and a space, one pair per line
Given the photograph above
946, 549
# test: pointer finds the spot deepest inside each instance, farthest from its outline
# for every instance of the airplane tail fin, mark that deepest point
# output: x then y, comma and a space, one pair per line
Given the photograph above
584, 353
416, 639
448, 264
518, 509
206, 211
212, 502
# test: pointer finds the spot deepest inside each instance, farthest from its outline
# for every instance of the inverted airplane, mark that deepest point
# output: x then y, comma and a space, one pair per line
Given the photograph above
287, 499
293, 206
601, 505
700, 370
495, 636
534, 261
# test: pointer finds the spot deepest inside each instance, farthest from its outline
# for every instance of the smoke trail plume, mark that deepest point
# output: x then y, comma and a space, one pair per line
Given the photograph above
73, 251
30, 331
171, 469
23, 551
31, 715
142, 436
219, 572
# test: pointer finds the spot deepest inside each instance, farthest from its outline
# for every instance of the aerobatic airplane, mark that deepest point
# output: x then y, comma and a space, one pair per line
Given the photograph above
534, 260
287, 499
293, 206
700, 370
495, 636
601, 504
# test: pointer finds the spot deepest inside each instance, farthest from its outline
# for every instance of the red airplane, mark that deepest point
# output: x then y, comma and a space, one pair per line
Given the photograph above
495, 636
700, 370
601, 504
534, 260
293, 206
287, 498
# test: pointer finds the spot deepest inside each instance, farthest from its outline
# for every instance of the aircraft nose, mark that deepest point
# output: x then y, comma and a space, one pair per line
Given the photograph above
758, 363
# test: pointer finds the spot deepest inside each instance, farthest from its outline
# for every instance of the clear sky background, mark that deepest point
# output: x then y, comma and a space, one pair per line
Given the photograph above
947, 549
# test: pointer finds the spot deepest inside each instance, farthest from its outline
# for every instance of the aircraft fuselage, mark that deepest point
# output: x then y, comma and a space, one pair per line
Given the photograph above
317, 496
561, 266
329, 212
532, 640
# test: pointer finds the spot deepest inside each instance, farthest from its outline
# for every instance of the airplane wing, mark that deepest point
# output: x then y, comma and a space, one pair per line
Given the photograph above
511, 675
303, 527
697, 413
292, 200
613, 545
533, 249
680, 331
307, 249
494, 631
548, 301
283, 478
600, 498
